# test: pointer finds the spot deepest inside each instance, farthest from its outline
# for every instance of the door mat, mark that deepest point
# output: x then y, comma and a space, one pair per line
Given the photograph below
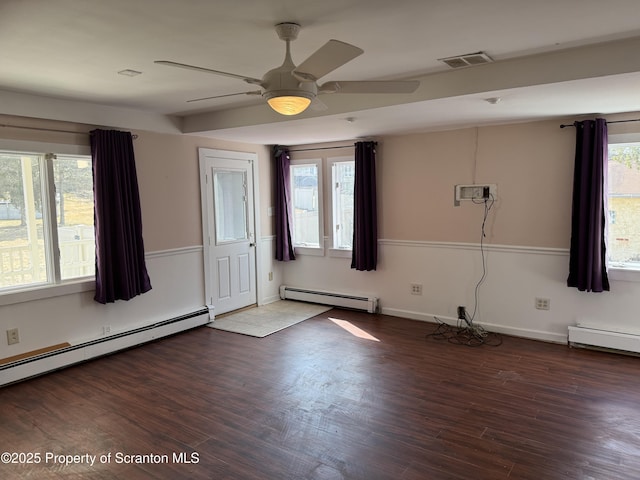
267, 319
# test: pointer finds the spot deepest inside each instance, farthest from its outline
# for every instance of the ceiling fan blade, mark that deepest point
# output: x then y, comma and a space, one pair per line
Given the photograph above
318, 105
255, 92
369, 87
327, 58
169, 63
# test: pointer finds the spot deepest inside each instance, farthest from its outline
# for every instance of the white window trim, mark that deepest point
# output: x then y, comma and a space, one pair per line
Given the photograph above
623, 274
314, 251
40, 291
340, 252
617, 273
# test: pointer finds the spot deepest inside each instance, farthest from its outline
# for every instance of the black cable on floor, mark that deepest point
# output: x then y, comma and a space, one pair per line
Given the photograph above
465, 333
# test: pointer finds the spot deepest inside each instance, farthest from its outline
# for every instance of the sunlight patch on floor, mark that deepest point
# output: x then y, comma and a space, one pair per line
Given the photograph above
353, 330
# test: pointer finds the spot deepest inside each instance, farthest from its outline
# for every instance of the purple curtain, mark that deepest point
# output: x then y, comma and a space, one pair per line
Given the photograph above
121, 273
587, 257
284, 209
365, 216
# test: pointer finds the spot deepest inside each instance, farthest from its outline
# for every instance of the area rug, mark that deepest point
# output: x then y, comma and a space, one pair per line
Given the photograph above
267, 319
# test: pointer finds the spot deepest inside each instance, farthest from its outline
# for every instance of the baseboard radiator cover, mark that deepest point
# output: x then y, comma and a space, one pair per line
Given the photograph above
357, 302
621, 342
39, 364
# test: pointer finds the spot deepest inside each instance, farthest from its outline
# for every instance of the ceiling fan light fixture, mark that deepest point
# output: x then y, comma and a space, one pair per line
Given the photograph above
290, 89
289, 104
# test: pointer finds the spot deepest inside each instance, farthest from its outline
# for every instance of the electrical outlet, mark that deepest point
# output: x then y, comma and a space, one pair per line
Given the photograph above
13, 336
543, 303
416, 289
106, 330
271, 276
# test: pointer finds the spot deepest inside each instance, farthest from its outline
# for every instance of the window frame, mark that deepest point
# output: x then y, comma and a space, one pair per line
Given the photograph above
618, 272
304, 249
56, 286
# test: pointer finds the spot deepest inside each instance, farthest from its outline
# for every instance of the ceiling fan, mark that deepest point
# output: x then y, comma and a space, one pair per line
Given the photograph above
290, 89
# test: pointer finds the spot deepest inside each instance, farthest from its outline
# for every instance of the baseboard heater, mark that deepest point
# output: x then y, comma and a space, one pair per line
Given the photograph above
335, 299
54, 360
588, 337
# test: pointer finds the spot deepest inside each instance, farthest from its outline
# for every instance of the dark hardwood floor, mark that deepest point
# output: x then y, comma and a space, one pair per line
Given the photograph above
317, 402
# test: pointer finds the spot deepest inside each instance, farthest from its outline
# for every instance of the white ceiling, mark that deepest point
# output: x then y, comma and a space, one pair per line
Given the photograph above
554, 58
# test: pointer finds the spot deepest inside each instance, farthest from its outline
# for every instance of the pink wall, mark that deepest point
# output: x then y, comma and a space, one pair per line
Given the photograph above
168, 176
531, 164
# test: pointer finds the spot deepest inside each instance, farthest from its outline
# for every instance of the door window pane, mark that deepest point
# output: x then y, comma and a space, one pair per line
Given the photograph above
230, 206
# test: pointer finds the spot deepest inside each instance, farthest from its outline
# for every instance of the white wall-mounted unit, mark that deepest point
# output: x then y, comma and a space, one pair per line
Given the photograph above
345, 300
582, 336
475, 192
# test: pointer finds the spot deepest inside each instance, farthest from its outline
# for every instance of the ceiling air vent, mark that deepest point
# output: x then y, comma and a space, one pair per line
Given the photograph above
467, 60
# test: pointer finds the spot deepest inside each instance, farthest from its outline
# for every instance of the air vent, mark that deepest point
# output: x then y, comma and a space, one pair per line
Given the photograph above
467, 60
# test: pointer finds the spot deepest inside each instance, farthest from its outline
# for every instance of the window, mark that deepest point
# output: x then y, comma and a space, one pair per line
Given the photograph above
306, 192
46, 219
307, 197
623, 241
343, 174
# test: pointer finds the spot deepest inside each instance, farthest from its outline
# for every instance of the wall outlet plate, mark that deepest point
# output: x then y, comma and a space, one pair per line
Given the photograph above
543, 303
13, 336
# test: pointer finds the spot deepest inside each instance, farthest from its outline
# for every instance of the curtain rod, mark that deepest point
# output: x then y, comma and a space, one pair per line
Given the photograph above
134, 136
320, 148
328, 148
614, 121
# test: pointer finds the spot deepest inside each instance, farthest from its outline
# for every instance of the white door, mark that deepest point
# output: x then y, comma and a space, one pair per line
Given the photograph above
228, 226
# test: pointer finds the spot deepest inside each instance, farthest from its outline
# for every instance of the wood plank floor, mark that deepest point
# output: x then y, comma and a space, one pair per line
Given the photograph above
315, 401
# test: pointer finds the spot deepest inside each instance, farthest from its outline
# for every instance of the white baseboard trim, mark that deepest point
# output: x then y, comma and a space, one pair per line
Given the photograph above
515, 332
40, 364
270, 299
412, 315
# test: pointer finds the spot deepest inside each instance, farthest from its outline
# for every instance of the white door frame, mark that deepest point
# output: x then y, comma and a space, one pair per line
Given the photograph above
207, 212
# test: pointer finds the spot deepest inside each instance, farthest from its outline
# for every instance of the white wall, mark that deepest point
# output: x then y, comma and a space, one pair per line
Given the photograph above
178, 289
449, 273
167, 168
272, 270
425, 239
